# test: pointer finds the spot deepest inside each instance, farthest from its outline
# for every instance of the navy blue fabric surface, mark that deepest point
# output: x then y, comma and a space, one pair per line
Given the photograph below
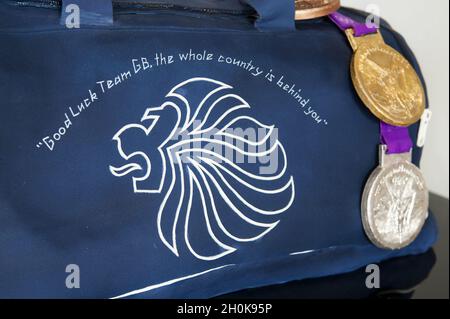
64, 206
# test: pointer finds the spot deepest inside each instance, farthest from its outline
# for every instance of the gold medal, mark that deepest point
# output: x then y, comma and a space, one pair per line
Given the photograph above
385, 81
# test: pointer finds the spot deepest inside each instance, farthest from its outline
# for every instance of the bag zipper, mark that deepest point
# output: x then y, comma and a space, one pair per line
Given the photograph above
138, 5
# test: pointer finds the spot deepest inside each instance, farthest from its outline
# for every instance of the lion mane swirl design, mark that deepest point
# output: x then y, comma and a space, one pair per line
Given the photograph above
212, 204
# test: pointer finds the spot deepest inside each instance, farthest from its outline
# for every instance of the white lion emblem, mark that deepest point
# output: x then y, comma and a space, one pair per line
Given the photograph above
211, 203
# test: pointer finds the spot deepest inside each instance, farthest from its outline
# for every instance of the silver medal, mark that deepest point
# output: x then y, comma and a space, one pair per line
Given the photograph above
395, 202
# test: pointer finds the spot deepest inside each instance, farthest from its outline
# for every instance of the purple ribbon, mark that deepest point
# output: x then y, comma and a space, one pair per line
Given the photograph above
345, 23
396, 138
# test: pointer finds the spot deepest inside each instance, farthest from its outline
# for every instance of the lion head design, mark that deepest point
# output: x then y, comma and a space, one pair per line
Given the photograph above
211, 172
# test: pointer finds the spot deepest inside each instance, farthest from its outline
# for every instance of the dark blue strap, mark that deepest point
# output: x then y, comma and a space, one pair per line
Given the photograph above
273, 15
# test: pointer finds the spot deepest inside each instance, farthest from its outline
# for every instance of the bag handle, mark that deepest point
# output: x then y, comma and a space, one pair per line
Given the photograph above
273, 15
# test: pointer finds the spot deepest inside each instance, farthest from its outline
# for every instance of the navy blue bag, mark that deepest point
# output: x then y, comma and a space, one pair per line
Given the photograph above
184, 149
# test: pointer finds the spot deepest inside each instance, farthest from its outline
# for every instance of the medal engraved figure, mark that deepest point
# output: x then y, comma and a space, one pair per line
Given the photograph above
395, 205
385, 81
400, 198
390, 88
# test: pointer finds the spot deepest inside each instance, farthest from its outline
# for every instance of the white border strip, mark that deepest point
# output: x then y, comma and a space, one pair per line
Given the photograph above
170, 282
173, 281
302, 252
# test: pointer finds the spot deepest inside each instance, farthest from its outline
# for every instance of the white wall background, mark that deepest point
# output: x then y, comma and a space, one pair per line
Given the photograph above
425, 25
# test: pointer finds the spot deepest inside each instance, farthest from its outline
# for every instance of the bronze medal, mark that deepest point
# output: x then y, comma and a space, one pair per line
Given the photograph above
311, 9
